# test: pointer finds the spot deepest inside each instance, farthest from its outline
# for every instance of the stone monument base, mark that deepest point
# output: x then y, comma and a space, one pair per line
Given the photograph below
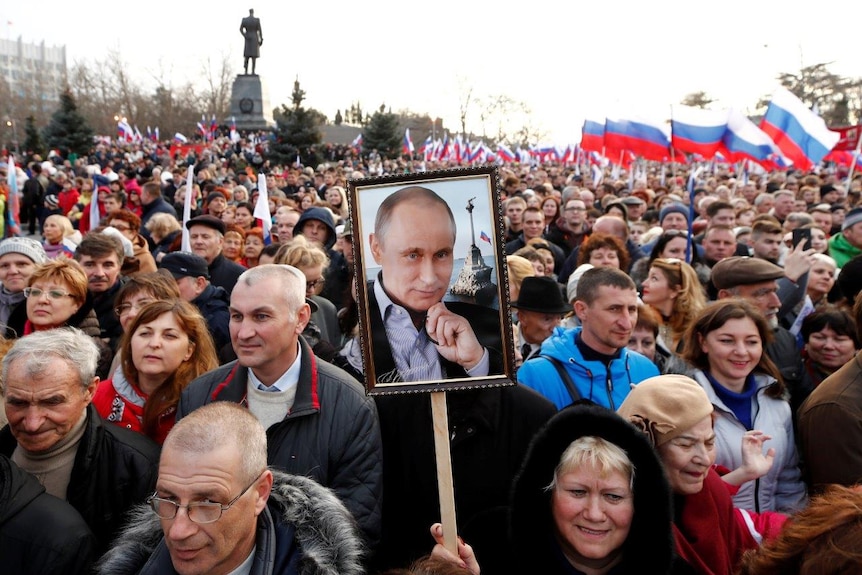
249, 103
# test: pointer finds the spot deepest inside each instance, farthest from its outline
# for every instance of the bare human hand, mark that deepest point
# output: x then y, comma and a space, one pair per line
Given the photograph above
754, 462
798, 262
466, 559
453, 336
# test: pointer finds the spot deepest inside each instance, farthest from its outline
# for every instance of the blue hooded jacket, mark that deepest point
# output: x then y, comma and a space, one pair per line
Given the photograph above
591, 378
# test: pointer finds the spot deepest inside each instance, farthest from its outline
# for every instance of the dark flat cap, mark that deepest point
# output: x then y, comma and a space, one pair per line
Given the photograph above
185, 264
743, 270
208, 221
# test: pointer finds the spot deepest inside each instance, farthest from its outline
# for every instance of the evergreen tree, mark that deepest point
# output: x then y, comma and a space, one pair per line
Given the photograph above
68, 131
32, 139
382, 133
338, 118
297, 132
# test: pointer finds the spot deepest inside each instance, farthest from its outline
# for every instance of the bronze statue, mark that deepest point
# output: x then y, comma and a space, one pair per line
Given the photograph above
250, 29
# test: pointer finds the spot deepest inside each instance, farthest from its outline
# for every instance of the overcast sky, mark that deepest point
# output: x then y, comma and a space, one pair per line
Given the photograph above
567, 60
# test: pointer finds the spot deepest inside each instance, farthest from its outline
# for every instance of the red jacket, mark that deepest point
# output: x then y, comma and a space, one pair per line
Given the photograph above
126, 407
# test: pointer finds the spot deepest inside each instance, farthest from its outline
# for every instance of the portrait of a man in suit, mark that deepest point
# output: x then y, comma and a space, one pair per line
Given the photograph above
415, 335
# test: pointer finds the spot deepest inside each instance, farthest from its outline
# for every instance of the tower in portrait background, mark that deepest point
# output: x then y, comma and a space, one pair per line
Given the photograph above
249, 100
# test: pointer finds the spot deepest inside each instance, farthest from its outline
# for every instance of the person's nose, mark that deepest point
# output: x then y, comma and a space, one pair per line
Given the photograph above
773, 300
181, 526
33, 419
426, 272
245, 330
594, 510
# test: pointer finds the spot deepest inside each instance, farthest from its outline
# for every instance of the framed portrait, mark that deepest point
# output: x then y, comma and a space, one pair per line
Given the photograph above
432, 288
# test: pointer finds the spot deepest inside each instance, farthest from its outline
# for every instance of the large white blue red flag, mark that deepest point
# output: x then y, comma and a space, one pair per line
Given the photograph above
800, 134
644, 137
744, 140
697, 131
593, 136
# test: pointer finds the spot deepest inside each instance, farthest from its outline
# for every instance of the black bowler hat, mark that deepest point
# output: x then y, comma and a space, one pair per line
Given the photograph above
541, 294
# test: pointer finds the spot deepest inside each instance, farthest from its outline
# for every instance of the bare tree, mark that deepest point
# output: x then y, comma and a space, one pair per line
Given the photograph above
218, 81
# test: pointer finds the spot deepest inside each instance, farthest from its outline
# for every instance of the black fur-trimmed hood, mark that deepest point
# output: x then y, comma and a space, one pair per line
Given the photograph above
325, 531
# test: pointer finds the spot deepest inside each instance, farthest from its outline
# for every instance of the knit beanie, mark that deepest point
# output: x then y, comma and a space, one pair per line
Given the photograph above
854, 216
673, 208
665, 406
24, 246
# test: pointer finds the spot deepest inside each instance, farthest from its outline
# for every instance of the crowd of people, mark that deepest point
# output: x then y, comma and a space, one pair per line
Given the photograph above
687, 366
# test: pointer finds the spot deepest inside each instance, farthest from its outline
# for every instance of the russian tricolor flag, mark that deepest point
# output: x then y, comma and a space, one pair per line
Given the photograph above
697, 131
643, 137
799, 133
744, 140
505, 154
407, 145
593, 136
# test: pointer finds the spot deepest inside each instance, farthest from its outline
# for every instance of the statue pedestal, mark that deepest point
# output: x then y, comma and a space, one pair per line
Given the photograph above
249, 103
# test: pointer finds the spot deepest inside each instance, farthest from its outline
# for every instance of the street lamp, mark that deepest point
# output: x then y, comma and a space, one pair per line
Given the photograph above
10, 124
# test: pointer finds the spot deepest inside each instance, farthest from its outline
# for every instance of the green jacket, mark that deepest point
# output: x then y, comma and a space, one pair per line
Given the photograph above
841, 250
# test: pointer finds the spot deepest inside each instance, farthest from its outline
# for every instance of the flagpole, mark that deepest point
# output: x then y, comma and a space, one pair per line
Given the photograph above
853, 163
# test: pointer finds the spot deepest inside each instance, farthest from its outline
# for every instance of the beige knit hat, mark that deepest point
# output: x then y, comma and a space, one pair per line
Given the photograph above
665, 406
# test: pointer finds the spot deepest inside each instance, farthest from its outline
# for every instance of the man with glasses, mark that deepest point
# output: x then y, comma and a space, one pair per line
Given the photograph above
54, 433
573, 228
218, 509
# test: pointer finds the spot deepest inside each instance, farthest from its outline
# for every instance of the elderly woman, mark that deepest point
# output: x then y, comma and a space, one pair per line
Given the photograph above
591, 497
726, 344
164, 230
830, 340
18, 260
672, 289
674, 412
57, 297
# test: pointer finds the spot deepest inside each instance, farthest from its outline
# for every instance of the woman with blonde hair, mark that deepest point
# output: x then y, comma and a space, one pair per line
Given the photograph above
57, 231
673, 289
313, 262
518, 269
336, 200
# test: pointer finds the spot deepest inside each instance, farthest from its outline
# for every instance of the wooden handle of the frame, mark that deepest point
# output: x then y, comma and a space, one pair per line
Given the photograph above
440, 417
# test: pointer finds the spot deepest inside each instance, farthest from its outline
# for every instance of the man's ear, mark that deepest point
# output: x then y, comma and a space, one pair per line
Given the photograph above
724, 294
90, 390
303, 316
376, 252
580, 309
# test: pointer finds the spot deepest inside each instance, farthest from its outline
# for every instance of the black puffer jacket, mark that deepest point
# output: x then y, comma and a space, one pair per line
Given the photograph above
26, 546
331, 434
649, 546
114, 469
304, 530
